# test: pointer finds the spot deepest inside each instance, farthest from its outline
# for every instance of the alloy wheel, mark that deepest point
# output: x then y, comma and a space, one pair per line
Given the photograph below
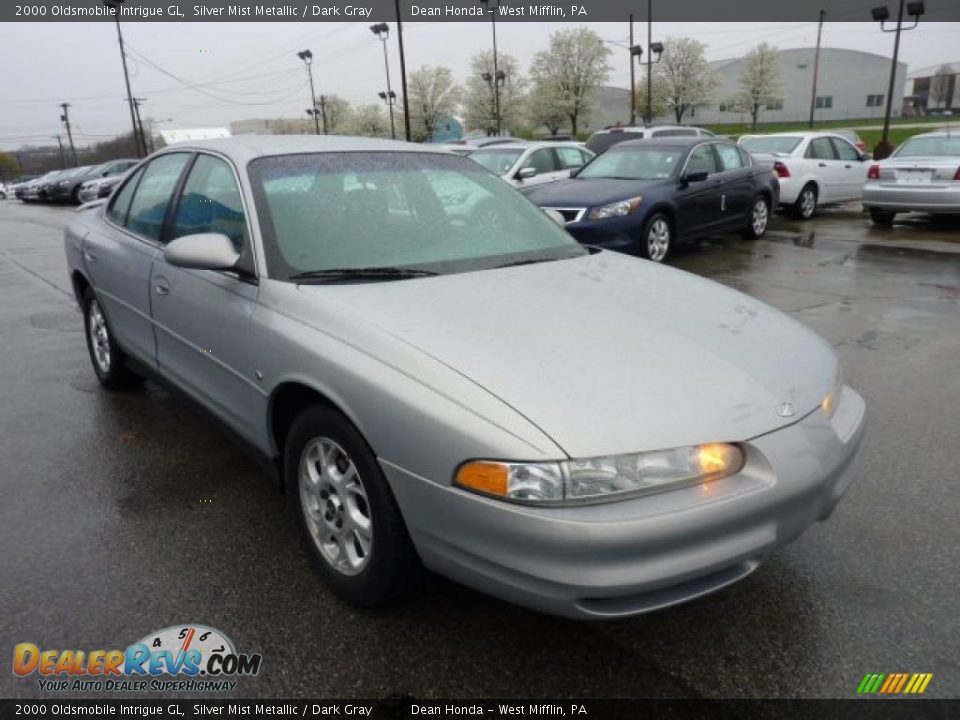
760, 217
335, 506
99, 337
808, 202
658, 239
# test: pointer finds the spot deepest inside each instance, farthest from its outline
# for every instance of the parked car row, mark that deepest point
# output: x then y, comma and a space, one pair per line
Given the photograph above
821, 168
75, 185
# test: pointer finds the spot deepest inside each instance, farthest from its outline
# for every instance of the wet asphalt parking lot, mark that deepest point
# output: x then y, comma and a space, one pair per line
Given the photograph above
121, 514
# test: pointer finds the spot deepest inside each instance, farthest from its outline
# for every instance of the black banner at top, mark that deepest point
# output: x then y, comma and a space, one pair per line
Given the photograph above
735, 11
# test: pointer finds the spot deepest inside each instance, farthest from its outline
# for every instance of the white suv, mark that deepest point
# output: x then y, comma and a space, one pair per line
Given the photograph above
602, 139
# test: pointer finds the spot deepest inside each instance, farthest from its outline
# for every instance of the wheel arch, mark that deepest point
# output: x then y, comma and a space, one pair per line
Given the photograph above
80, 284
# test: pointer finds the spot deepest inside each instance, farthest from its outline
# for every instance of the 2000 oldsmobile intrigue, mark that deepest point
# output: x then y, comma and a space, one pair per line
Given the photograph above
579, 431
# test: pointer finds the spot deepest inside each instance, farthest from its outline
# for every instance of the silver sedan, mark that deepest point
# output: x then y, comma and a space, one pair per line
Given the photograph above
578, 431
922, 175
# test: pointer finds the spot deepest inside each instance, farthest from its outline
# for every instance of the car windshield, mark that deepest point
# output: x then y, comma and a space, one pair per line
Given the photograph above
390, 210
642, 162
496, 161
784, 145
938, 145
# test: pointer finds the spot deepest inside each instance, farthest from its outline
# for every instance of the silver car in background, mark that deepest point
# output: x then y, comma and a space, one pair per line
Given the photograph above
575, 430
922, 175
526, 165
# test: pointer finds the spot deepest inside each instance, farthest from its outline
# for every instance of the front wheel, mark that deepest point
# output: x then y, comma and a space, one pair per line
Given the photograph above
109, 361
353, 528
757, 219
882, 217
657, 238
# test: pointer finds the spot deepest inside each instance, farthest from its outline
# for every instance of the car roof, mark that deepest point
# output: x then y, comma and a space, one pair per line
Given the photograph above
796, 134
243, 148
508, 146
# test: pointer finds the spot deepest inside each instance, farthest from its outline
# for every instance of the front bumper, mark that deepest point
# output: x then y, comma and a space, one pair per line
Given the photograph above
913, 198
632, 556
621, 233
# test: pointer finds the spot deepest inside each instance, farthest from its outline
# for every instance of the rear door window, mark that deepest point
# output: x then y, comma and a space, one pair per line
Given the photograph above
570, 157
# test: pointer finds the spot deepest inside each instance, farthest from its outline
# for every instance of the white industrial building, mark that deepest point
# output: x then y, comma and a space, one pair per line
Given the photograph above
852, 85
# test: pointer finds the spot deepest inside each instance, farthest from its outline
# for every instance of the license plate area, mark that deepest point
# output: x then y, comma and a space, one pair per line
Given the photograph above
914, 177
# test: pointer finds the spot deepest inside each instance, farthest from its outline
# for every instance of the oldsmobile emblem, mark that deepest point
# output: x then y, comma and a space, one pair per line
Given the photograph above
786, 409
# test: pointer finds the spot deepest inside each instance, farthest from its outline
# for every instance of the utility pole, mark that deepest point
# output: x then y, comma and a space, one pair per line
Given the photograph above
633, 81
816, 68
115, 6
143, 135
403, 73
323, 112
65, 119
63, 158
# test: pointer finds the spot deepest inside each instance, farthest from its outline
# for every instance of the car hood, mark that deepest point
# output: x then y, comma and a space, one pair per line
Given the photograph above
607, 353
587, 192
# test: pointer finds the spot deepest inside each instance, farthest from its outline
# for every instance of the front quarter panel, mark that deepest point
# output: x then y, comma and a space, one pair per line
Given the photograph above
415, 412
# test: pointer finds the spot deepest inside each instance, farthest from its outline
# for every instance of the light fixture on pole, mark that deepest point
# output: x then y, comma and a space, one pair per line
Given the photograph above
492, 7
307, 57
656, 49
881, 15
382, 31
115, 6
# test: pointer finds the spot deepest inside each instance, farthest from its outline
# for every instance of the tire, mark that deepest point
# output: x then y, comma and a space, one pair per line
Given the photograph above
75, 196
108, 360
657, 240
758, 218
806, 203
351, 524
882, 217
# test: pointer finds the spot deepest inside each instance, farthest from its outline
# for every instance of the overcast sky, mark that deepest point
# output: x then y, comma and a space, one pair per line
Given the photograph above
250, 70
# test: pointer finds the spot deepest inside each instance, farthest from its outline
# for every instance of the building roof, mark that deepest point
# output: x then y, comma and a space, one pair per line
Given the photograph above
825, 54
932, 70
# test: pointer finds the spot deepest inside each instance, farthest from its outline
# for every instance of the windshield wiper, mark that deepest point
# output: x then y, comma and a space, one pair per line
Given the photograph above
532, 261
361, 273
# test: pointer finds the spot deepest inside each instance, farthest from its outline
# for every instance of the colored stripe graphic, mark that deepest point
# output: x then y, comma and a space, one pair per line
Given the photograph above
894, 683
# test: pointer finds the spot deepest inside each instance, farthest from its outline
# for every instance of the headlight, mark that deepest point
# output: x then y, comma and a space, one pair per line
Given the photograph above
617, 209
830, 400
601, 477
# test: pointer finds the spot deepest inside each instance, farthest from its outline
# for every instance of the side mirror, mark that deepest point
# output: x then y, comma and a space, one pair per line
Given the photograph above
204, 251
574, 171
556, 216
865, 156
526, 173
697, 176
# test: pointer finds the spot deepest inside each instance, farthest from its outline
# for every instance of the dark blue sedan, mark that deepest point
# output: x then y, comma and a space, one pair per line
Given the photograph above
645, 196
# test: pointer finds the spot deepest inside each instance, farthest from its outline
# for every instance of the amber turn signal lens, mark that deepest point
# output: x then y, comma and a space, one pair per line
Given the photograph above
485, 477
719, 459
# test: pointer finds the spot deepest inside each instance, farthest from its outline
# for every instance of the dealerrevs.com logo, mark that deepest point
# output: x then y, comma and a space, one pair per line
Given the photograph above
185, 658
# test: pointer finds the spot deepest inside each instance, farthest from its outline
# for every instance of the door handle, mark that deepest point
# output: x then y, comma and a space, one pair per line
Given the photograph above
89, 256
848, 166
823, 164
161, 287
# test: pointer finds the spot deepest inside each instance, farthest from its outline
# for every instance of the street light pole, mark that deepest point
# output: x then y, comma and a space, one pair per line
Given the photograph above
115, 6
881, 14
65, 118
492, 9
649, 113
382, 31
633, 81
307, 57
